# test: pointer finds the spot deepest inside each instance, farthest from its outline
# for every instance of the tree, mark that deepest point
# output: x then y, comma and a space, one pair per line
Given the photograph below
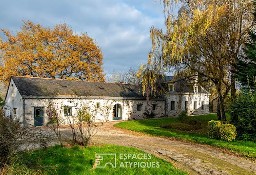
56, 52
86, 125
244, 108
14, 138
246, 67
129, 77
205, 37
151, 81
54, 121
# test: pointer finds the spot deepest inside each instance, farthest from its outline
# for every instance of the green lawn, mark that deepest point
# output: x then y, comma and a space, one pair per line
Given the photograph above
192, 129
79, 160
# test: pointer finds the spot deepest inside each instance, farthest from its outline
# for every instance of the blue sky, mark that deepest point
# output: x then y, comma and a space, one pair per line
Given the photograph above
119, 27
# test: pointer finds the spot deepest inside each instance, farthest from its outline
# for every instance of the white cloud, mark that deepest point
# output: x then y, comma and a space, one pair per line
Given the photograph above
120, 27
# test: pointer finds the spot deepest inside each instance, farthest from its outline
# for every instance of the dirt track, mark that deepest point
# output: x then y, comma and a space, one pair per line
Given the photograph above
191, 157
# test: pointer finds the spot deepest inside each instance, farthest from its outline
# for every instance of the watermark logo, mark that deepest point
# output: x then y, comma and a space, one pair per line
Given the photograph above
105, 159
114, 160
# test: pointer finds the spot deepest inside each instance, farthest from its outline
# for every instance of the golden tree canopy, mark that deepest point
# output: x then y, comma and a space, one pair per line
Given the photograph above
50, 52
206, 36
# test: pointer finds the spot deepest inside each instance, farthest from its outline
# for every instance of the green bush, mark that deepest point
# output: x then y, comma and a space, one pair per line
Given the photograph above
227, 132
183, 116
217, 130
9, 139
214, 129
243, 111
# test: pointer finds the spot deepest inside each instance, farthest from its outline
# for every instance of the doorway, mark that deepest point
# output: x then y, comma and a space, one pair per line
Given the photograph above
117, 112
38, 116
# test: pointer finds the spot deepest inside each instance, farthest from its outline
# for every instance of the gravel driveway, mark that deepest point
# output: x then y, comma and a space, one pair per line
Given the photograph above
191, 157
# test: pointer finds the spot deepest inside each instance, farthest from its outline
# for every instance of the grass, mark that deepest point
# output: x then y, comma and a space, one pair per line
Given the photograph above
79, 160
173, 127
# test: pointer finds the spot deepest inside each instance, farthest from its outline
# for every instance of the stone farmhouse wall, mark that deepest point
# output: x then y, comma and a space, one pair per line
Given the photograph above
13, 102
196, 103
101, 109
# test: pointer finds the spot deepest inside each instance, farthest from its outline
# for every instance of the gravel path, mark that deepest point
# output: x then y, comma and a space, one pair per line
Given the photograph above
191, 157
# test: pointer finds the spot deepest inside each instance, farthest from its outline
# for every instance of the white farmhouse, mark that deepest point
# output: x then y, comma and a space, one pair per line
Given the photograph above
185, 95
27, 100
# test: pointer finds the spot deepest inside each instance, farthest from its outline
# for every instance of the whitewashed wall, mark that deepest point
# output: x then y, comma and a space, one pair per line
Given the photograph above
13, 101
25, 106
103, 113
191, 98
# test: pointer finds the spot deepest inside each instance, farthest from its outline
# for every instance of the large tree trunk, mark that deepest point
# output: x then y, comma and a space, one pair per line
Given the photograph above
233, 84
222, 109
218, 109
220, 106
234, 117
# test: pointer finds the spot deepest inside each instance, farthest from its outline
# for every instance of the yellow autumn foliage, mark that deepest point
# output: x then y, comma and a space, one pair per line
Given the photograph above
50, 52
205, 37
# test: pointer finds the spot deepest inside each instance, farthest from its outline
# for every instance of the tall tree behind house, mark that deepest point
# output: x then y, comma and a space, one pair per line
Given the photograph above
56, 52
205, 37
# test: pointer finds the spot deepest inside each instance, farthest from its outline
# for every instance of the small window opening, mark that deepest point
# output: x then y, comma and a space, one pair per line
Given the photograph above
14, 111
172, 105
202, 107
154, 107
139, 107
67, 111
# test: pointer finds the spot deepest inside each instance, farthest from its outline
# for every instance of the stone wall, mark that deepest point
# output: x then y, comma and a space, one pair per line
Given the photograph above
102, 109
194, 103
14, 103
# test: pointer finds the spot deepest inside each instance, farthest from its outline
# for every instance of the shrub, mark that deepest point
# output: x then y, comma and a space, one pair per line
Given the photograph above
183, 116
54, 121
14, 137
87, 127
9, 130
243, 111
227, 132
246, 137
213, 129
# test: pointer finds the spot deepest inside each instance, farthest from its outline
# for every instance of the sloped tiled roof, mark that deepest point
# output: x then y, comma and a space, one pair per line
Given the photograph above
38, 87
183, 86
